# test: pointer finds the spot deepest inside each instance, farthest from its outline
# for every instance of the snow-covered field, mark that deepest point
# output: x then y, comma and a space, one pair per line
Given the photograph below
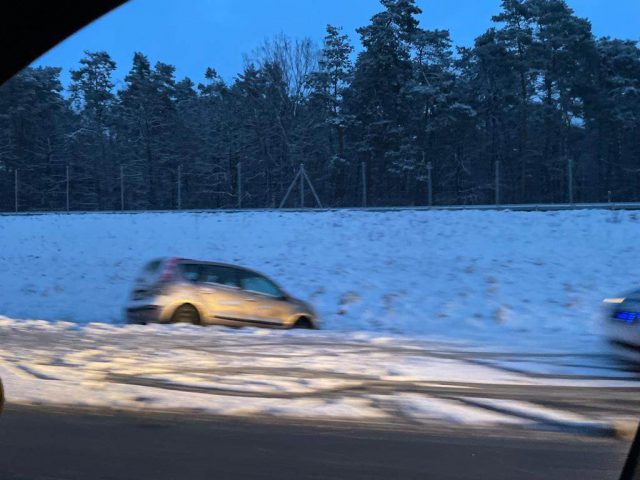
508, 278
472, 317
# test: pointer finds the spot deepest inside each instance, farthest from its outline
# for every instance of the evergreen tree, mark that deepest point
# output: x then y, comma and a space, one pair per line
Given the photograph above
33, 120
376, 97
326, 105
147, 113
94, 168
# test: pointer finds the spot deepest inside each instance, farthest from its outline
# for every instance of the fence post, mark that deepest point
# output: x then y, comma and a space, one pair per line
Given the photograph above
363, 171
497, 182
313, 190
609, 196
179, 187
302, 185
121, 187
429, 184
67, 188
15, 188
291, 185
239, 187
570, 179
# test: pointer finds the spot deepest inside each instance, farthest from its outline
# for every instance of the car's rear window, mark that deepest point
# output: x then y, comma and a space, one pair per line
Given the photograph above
152, 266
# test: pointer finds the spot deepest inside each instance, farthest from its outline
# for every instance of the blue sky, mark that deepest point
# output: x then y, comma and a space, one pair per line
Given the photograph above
195, 34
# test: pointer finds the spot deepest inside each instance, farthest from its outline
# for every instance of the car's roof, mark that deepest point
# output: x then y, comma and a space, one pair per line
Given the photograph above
208, 262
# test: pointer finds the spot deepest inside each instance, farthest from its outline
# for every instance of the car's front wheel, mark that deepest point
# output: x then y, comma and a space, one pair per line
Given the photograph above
186, 314
305, 323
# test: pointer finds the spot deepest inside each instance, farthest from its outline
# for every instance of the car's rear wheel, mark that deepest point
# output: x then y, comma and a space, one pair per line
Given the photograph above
186, 314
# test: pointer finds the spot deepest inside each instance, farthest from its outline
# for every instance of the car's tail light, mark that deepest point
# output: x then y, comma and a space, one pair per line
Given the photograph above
167, 275
157, 289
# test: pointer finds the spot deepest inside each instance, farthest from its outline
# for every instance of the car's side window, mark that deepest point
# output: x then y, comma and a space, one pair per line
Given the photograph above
259, 284
219, 274
191, 271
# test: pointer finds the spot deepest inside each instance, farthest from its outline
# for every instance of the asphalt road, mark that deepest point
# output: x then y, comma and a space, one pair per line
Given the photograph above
47, 445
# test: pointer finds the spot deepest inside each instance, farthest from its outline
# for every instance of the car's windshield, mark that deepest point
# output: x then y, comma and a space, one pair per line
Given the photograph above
301, 239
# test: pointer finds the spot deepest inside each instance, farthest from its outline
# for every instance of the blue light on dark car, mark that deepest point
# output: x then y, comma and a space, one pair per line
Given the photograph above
628, 317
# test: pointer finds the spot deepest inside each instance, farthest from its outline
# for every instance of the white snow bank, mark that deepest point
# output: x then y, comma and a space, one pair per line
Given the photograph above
21, 388
513, 278
322, 375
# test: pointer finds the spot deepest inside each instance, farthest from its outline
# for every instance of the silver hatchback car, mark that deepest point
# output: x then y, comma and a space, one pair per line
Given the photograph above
179, 290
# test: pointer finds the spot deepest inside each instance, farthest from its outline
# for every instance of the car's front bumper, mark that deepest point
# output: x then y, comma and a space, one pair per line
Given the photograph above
623, 336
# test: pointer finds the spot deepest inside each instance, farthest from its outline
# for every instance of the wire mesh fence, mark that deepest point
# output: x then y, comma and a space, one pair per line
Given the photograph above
136, 187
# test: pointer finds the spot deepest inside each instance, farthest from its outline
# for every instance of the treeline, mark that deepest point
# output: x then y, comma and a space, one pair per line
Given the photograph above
537, 97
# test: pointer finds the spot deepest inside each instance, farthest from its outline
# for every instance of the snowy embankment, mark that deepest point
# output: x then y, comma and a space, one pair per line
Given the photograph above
508, 278
474, 318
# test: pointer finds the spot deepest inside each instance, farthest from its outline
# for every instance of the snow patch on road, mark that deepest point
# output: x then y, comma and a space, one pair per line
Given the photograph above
429, 409
317, 375
531, 411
